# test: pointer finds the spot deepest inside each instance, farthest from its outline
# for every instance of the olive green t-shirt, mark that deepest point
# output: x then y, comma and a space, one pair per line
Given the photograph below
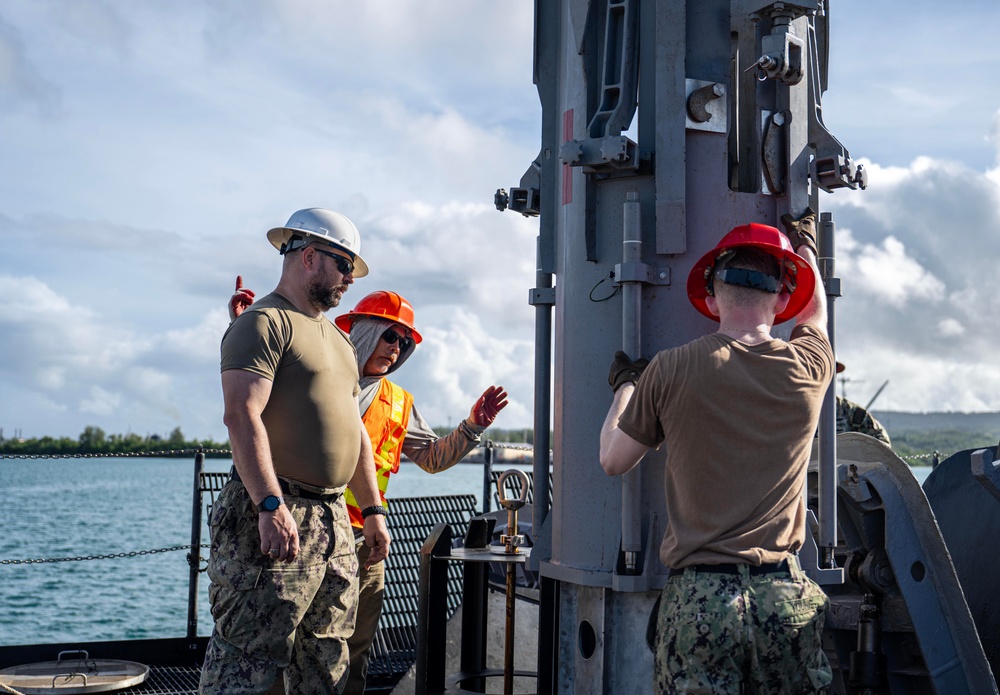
738, 423
311, 417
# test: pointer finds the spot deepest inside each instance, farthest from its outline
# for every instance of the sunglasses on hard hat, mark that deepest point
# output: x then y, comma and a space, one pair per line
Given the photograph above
390, 336
344, 265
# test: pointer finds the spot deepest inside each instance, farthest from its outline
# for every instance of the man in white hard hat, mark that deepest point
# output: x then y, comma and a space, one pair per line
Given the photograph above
283, 565
384, 334
737, 410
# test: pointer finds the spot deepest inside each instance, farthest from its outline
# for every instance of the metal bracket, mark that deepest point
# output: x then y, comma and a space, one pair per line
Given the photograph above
640, 272
542, 296
775, 153
986, 471
706, 108
600, 155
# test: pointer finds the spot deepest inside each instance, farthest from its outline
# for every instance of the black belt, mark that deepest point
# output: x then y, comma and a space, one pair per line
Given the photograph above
288, 490
734, 568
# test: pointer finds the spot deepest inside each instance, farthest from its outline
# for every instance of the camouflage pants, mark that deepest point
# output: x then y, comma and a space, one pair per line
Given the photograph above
371, 585
727, 634
272, 615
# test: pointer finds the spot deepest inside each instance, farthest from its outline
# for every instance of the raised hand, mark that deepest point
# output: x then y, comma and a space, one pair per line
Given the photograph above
241, 299
493, 400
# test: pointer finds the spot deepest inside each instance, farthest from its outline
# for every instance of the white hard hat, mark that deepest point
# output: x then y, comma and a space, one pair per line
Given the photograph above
324, 227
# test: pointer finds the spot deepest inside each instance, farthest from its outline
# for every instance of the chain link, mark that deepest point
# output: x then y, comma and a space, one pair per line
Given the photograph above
121, 454
923, 456
512, 445
113, 556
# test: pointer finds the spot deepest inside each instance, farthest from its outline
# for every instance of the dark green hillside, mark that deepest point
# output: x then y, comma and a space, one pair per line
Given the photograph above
920, 434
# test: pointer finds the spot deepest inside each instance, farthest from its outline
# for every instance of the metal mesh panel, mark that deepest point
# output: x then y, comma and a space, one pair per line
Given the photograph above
411, 521
170, 679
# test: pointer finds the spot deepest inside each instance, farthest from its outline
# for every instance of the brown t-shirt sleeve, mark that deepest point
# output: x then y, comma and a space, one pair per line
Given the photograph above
814, 351
640, 420
255, 343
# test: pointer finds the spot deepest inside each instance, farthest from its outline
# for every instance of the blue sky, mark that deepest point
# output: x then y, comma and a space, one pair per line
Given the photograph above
148, 146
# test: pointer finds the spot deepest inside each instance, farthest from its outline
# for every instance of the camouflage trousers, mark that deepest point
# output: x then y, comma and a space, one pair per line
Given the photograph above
271, 615
727, 634
371, 588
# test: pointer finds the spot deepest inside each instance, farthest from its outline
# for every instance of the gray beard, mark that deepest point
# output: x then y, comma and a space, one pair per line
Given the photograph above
325, 298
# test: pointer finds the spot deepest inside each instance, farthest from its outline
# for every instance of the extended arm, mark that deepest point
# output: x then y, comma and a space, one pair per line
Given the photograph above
433, 454
619, 452
815, 311
245, 395
364, 485
802, 234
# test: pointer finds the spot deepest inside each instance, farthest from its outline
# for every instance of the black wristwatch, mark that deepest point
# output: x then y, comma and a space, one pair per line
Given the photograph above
270, 503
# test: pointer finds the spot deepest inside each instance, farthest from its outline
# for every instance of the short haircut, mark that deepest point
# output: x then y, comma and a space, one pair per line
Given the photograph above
746, 258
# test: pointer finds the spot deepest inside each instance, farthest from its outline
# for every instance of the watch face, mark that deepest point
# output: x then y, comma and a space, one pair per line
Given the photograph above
270, 503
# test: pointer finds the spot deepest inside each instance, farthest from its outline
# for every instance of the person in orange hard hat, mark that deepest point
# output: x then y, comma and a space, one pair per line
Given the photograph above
737, 410
382, 329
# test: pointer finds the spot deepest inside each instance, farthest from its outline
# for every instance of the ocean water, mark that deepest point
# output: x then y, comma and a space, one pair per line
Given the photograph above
55, 508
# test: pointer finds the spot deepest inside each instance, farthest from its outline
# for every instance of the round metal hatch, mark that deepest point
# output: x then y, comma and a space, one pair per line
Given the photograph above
74, 672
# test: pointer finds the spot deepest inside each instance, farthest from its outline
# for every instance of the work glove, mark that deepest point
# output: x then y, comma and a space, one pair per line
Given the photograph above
241, 299
493, 400
624, 370
802, 231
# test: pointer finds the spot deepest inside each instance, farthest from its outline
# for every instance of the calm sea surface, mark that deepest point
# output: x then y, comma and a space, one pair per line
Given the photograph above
57, 508
54, 508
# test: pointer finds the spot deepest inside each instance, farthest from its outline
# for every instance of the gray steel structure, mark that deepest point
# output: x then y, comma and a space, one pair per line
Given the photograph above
724, 100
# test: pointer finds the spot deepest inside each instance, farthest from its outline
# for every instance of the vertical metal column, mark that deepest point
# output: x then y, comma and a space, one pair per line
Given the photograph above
828, 417
194, 557
632, 346
487, 474
542, 298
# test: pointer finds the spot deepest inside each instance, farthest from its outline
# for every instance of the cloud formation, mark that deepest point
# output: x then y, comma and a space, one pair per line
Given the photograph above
154, 144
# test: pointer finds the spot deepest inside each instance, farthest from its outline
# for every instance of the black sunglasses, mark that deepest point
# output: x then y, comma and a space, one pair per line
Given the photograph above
390, 336
344, 266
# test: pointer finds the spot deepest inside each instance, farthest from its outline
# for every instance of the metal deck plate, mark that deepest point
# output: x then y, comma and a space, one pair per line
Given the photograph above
74, 676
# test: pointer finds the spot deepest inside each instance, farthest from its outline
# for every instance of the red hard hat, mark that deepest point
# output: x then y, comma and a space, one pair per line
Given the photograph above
799, 278
382, 304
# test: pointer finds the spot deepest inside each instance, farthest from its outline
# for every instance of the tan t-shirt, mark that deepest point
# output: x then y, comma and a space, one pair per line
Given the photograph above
738, 423
312, 416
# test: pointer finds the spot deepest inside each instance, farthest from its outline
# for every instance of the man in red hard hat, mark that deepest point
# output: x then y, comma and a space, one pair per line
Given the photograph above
737, 410
381, 327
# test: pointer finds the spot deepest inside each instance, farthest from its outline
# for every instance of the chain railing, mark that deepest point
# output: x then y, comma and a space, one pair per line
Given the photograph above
110, 556
166, 453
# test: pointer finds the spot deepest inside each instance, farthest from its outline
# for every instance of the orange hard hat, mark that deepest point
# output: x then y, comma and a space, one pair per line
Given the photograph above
382, 304
798, 279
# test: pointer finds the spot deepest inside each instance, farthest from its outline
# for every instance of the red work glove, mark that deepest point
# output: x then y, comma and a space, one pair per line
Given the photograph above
493, 400
241, 299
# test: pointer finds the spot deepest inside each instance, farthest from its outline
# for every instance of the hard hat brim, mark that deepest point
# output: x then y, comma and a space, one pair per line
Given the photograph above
805, 281
344, 322
279, 235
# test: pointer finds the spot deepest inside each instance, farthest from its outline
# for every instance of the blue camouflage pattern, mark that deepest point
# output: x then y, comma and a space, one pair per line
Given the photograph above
271, 615
741, 634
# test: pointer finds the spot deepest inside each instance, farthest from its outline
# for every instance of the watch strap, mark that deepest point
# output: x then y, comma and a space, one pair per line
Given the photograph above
270, 503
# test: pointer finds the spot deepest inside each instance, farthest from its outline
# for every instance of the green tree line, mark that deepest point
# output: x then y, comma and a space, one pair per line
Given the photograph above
93, 440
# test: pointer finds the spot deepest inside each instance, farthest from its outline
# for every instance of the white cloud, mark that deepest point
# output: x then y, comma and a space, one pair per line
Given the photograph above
886, 273
950, 328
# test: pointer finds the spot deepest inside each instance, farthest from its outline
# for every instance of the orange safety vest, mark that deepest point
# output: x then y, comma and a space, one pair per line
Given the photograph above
386, 421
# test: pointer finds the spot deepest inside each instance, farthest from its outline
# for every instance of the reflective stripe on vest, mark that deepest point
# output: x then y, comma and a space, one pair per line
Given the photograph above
386, 421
